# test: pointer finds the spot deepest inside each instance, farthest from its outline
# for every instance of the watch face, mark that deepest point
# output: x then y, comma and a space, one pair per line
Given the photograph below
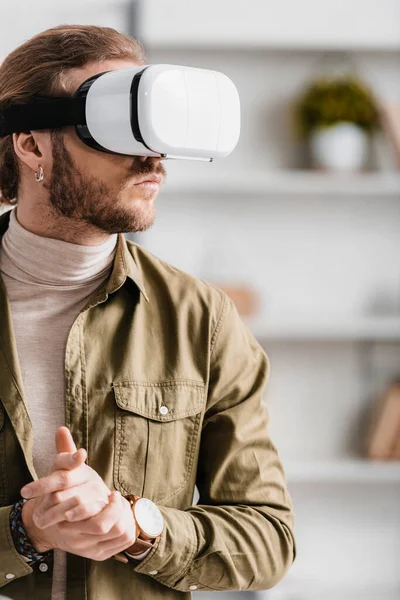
149, 517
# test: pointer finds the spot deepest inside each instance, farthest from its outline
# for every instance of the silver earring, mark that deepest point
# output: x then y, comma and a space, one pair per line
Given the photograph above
39, 177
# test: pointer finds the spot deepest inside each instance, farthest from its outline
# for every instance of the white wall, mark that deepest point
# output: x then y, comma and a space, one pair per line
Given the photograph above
325, 256
21, 19
247, 23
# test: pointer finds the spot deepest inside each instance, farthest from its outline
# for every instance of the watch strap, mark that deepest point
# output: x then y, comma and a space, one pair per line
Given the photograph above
140, 546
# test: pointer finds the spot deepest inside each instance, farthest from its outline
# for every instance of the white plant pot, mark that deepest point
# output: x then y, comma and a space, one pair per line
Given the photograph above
341, 147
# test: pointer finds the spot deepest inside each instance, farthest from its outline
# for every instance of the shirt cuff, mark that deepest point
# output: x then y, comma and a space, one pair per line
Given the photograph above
12, 564
139, 556
26, 559
173, 553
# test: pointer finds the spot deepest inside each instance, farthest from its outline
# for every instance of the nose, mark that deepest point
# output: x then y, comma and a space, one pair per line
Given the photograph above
155, 159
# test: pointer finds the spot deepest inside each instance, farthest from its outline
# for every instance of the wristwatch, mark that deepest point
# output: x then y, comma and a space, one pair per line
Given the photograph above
149, 527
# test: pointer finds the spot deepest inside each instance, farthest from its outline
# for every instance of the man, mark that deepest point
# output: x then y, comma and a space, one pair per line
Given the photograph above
147, 370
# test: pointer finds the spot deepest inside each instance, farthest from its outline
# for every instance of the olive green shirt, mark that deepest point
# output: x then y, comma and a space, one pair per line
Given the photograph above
155, 336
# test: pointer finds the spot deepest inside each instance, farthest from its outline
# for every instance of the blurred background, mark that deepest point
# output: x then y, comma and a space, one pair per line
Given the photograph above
301, 226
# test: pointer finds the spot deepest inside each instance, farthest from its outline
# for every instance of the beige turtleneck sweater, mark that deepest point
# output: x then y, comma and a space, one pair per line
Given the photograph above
48, 282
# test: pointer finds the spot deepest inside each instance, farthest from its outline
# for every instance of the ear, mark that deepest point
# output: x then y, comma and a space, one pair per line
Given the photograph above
33, 148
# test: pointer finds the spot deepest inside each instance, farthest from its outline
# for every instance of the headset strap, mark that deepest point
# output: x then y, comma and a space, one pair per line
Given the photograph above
43, 113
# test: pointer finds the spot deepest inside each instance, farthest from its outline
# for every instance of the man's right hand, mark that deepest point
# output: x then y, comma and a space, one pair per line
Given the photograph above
42, 515
113, 532
107, 521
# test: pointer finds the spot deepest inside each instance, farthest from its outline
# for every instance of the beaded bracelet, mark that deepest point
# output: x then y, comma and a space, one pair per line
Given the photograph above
21, 542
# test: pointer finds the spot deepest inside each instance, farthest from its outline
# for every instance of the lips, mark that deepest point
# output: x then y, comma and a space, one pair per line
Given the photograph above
151, 179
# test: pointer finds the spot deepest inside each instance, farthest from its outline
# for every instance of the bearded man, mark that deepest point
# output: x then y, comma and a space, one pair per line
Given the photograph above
144, 377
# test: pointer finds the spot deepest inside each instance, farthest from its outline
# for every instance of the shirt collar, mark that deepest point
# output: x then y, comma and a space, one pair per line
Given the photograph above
124, 264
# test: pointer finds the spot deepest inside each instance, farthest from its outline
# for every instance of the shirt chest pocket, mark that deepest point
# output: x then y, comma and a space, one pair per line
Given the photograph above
157, 429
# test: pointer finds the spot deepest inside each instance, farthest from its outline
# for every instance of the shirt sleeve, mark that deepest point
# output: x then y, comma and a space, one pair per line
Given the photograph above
240, 534
12, 564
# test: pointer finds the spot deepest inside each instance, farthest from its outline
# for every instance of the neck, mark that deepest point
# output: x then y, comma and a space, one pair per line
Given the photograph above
39, 217
43, 261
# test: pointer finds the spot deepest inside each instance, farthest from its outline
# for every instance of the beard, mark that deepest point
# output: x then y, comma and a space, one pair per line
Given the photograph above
81, 197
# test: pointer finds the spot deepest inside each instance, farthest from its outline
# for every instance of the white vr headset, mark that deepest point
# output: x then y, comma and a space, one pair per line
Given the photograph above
154, 110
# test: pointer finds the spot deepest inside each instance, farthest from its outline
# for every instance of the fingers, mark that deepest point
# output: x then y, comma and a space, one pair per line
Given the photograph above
68, 460
108, 549
86, 500
90, 491
59, 480
43, 516
102, 524
122, 534
64, 460
115, 530
64, 440
81, 512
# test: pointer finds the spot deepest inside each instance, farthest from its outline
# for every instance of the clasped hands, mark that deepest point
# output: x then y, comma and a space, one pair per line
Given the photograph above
73, 510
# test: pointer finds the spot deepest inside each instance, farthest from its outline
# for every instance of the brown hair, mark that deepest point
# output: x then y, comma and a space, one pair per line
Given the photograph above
38, 67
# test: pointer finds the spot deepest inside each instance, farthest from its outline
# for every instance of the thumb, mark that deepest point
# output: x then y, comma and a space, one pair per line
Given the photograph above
64, 440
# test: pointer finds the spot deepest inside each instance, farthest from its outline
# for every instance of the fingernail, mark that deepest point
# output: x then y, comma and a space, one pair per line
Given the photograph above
26, 492
75, 455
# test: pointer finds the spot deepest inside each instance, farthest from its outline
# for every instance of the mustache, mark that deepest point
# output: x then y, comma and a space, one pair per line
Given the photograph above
143, 170
147, 169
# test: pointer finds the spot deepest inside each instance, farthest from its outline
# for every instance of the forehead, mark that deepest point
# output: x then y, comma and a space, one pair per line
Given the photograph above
73, 78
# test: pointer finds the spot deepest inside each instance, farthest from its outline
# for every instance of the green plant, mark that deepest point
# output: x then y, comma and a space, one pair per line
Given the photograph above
328, 101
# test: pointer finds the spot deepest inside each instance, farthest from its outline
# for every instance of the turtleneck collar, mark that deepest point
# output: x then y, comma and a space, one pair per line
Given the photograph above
55, 263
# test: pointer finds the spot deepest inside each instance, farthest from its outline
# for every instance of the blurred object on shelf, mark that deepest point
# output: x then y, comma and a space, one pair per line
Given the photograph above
390, 119
245, 299
382, 156
337, 116
383, 440
341, 147
396, 450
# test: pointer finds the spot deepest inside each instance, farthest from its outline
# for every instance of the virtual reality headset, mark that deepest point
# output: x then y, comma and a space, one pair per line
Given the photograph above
154, 110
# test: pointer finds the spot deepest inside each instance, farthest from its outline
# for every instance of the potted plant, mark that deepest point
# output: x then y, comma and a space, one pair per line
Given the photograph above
337, 116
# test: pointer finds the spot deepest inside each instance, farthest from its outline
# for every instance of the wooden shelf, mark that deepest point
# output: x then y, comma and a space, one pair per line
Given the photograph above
346, 471
367, 328
304, 183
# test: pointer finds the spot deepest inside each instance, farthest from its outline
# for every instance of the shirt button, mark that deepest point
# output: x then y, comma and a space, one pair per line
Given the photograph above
153, 572
164, 410
10, 576
192, 587
43, 567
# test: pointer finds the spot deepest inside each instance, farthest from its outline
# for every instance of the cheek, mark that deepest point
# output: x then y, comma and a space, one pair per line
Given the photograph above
94, 163
102, 170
